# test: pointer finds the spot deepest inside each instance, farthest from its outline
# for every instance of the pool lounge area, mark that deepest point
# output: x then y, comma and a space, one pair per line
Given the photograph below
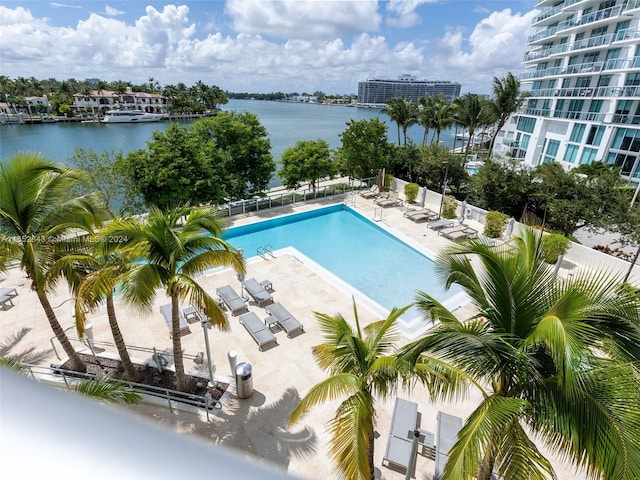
257, 427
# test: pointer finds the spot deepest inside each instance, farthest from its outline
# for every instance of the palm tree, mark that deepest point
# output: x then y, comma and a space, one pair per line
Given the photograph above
95, 273
172, 258
506, 100
361, 366
442, 115
36, 213
404, 113
425, 115
556, 360
470, 114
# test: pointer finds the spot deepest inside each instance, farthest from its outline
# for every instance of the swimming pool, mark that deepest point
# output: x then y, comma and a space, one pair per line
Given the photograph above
352, 248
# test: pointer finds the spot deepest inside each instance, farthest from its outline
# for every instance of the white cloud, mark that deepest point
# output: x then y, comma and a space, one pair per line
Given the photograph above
165, 44
63, 5
402, 12
112, 12
303, 19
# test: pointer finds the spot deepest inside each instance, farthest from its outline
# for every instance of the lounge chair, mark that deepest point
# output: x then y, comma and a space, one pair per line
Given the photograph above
166, 313
10, 292
258, 292
231, 300
284, 319
391, 200
399, 446
448, 428
421, 214
373, 192
442, 223
459, 232
258, 331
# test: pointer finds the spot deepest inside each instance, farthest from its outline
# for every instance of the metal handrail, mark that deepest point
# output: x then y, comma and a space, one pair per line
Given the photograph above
169, 394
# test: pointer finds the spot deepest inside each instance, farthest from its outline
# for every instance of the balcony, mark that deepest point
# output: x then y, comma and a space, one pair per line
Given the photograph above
548, 32
630, 91
579, 68
599, 15
545, 52
622, 63
592, 42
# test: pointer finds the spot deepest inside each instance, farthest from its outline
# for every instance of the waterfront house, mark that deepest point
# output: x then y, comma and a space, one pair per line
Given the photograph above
103, 100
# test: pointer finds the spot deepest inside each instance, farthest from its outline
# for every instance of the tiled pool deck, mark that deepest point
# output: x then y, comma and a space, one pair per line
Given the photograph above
257, 427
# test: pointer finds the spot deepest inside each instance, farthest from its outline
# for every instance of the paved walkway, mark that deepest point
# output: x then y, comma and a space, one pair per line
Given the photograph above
257, 427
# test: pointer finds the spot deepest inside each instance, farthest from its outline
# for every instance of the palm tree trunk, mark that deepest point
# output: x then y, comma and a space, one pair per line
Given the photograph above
118, 339
372, 469
76, 362
178, 361
488, 462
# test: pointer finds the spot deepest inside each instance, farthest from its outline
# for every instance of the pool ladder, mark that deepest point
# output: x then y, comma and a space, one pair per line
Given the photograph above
266, 250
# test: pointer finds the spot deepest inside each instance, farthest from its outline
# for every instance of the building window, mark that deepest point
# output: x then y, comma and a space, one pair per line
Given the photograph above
552, 151
633, 79
627, 139
583, 82
626, 162
595, 135
526, 124
622, 25
588, 156
571, 153
577, 133
604, 80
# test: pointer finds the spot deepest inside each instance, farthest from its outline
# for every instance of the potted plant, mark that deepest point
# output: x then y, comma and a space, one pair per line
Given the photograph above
449, 207
554, 245
411, 192
495, 224
388, 179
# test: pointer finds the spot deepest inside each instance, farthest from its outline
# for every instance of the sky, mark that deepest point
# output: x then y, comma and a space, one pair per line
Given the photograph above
263, 46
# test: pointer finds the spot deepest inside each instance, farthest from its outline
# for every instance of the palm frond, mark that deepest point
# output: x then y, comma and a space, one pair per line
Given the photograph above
107, 391
333, 387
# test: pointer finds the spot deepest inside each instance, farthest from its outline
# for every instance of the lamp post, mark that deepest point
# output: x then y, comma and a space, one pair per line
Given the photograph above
415, 436
206, 325
444, 187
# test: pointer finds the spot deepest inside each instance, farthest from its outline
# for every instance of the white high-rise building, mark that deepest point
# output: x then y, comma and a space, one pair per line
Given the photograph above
584, 61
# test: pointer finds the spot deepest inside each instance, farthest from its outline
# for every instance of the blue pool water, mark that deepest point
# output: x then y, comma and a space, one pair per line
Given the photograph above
351, 247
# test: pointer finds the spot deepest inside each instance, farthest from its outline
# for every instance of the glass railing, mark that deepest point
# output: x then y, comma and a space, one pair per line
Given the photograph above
599, 15
627, 35
593, 42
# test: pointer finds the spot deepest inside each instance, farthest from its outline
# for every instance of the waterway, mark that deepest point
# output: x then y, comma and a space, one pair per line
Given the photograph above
286, 123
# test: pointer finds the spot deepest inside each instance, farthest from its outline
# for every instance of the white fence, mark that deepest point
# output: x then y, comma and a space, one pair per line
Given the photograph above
578, 255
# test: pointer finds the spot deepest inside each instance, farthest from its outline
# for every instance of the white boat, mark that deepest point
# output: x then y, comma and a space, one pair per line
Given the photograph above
131, 116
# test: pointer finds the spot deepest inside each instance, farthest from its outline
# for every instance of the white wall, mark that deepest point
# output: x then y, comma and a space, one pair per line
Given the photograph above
578, 255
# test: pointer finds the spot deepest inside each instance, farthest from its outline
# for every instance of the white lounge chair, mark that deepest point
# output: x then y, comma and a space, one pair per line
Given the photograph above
448, 428
399, 446
421, 214
442, 223
284, 319
257, 291
373, 192
459, 232
166, 313
231, 300
7, 294
391, 200
258, 330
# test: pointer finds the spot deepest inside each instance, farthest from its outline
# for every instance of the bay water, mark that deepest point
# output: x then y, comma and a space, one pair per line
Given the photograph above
285, 122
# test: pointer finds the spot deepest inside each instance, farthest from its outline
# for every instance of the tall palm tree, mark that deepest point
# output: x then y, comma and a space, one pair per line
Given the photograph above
93, 275
556, 360
361, 365
172, 258
506, 100
470, 113
425, 115
36, 213
404, 113
442, 115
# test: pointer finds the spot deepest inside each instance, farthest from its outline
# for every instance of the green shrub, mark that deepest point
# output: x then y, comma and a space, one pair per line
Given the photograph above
554, 245
449, 207
495, 224
388, 178
411, 192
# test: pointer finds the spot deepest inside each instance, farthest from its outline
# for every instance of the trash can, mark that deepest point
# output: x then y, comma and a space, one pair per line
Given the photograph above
244, 380
88, 334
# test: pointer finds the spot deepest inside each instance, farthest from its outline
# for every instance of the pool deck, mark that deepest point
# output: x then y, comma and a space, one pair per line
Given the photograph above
257, 427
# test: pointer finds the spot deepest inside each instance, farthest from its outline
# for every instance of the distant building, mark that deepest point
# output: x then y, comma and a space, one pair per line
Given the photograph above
379, 92
584, 72
103, 100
